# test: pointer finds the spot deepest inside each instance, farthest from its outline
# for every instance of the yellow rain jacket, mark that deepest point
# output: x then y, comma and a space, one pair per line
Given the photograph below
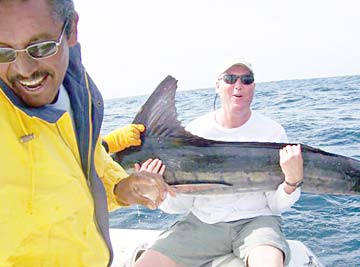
54, 207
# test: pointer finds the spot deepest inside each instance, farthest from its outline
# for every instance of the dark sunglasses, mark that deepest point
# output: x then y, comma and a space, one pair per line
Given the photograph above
232, 78
37, 51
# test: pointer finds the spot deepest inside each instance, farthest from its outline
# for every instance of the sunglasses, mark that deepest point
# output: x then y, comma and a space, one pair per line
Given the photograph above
232, 78
36, 51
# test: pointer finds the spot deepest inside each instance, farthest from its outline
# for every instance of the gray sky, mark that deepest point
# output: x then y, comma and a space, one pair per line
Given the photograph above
130, 46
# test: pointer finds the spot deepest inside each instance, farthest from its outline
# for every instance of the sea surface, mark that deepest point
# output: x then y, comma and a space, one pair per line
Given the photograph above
323, 113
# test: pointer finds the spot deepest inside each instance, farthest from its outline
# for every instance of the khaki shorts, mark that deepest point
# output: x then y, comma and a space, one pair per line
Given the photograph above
192, 243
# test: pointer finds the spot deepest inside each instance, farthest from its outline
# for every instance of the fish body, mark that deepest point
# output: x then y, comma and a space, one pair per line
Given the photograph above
200, 166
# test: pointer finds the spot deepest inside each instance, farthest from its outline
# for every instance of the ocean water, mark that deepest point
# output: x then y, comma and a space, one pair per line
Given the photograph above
322, 112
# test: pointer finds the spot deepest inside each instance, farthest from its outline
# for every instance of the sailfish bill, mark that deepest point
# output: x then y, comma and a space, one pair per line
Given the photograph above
199, 166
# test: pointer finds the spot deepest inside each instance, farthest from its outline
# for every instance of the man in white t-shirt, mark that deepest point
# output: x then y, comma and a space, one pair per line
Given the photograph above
245, 224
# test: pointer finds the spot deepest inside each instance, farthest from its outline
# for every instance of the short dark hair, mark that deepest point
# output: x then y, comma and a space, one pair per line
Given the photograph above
63, 10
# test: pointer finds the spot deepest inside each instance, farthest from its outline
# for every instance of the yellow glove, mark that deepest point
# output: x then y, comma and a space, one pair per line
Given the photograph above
124, 137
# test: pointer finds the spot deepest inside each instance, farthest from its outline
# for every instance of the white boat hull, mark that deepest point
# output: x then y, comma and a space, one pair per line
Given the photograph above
127, 243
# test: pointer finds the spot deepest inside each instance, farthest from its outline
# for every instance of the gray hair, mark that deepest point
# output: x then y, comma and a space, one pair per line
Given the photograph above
63, 10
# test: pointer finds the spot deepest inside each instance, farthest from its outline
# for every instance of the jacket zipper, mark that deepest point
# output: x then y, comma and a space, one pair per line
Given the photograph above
89, 160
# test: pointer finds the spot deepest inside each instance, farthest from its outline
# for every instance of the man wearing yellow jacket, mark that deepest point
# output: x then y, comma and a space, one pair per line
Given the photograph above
57, 182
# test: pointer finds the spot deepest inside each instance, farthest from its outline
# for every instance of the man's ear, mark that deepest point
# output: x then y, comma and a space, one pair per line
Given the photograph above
72, 38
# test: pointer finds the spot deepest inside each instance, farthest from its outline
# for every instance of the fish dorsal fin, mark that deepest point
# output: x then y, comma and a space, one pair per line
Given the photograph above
158, 114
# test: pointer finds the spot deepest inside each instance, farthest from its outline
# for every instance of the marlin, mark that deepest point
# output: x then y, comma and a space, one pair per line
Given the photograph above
199, 166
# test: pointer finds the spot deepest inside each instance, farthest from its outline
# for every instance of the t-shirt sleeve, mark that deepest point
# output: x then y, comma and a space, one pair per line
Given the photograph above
283, 136
279, 201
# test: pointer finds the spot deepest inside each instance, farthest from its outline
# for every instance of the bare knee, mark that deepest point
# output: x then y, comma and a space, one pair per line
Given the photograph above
265, 255
151, 258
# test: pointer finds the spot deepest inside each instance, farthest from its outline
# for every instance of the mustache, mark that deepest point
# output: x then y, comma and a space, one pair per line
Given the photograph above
35, 75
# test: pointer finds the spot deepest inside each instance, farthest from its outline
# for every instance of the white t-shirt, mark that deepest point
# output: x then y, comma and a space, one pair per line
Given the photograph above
257, 129
232, 207
63, 103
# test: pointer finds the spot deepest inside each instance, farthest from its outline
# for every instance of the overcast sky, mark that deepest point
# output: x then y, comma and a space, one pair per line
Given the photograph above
129, 46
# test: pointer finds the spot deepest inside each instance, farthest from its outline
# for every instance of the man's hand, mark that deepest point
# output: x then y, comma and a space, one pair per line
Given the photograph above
145, 186
154, 166
291, 163
124, 137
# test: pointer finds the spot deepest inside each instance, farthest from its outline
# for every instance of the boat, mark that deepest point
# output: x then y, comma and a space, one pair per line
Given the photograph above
128, 244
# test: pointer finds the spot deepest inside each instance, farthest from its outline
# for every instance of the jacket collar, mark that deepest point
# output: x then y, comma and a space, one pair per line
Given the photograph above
49, 114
